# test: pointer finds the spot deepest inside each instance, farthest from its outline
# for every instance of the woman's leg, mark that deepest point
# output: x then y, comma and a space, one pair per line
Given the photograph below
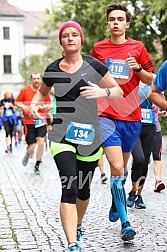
11, 132
148, 138
136, 171
137, 165
85, 172
156, 153
66, 164
7, 133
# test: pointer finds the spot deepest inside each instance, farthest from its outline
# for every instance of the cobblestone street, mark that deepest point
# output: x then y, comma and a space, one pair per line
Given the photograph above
29, 207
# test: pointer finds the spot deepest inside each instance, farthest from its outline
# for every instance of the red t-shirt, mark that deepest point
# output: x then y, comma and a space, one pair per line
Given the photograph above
114, 56
26, 95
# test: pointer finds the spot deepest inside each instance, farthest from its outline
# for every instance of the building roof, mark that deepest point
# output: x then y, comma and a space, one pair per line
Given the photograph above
31, 22
7, 9
31, 18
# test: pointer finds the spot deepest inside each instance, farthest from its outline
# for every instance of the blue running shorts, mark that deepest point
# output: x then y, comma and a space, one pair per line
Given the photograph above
119, 133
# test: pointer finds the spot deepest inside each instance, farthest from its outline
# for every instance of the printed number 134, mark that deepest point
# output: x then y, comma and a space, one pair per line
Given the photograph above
81, 133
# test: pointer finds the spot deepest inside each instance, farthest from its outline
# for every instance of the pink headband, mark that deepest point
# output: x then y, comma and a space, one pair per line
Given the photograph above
71, 24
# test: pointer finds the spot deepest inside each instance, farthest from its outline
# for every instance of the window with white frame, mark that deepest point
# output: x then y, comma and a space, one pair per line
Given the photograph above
7, 62
6, 33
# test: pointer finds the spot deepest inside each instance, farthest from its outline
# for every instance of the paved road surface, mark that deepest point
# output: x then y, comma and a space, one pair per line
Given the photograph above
29, 210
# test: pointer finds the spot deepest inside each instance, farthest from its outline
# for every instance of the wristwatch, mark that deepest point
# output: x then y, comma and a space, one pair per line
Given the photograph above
139, 69
108, 92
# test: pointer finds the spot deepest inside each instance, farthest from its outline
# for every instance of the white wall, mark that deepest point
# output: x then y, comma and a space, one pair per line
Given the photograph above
18, 48
14, 47
35, 46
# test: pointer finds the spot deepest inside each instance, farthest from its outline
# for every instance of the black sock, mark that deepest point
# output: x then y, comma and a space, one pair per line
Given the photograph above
37, 163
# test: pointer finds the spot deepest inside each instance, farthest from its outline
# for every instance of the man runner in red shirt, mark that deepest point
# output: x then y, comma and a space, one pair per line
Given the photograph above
128, 62
34, 130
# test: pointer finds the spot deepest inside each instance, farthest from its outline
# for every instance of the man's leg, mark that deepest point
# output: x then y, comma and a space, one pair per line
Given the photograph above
116, 161
40, 149
40, 133
30, 141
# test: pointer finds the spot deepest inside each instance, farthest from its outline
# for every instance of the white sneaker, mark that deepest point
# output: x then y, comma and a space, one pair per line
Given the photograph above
73, 247
25, 159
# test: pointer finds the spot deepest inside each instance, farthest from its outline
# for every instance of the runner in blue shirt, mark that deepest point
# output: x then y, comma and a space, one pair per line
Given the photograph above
160, 84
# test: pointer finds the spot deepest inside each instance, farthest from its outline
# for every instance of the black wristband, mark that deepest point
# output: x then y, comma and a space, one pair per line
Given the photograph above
139, 69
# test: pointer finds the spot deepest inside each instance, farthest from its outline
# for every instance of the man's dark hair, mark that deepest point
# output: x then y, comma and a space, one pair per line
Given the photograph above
34, 73
118, 6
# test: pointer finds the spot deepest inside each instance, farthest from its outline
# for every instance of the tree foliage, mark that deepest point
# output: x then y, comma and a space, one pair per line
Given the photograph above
38, 63
149, 23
